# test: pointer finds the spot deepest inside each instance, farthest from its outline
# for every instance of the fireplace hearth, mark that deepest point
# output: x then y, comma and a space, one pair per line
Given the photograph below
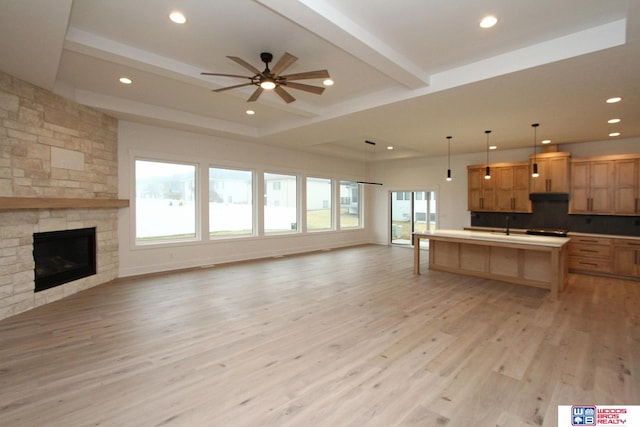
63, 256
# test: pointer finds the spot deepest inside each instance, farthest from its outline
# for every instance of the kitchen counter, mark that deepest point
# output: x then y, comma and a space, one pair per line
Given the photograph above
539, 261
501, 236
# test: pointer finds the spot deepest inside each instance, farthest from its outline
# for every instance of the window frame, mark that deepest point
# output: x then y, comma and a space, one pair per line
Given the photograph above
254, 229
197, 206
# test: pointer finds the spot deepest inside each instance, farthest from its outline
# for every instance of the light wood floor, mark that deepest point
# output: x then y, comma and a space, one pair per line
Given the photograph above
348, 337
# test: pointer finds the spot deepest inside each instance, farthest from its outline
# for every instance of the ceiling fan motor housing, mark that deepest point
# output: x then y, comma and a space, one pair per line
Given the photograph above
266, 57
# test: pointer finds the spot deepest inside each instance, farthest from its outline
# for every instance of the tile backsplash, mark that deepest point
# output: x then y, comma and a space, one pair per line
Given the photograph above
554, 214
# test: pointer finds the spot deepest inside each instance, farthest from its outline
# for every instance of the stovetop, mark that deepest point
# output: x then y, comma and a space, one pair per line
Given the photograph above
548, 232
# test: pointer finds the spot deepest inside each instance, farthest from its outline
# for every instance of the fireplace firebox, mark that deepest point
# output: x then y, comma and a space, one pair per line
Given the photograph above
63, 256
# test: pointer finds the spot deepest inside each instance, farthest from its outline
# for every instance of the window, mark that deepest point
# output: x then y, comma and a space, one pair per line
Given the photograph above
319, 195
230, 202
165, 201
280, 203
349, 204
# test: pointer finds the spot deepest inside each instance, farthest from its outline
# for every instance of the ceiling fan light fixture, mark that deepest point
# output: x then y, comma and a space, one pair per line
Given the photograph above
328, 82
268, 84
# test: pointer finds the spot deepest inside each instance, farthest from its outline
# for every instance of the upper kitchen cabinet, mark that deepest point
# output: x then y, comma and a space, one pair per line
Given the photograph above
506, 191
481, 191
553, 171
605, 185
592, 186
626, 174
512, 188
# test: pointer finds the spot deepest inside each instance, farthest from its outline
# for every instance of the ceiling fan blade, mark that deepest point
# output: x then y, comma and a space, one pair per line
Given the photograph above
225, 75
254, 96
245, 64
283, 63
318, 74
307, 88
284, 94
232, 87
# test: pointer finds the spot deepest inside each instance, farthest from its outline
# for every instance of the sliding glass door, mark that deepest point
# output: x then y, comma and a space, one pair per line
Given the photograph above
412, 211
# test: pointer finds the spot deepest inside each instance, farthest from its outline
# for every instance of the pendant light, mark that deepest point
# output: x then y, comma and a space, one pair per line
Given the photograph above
487, 173
370, 174
534, 174
449, 159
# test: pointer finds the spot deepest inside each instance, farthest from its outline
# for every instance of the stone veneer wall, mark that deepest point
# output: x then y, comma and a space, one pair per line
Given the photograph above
33, 122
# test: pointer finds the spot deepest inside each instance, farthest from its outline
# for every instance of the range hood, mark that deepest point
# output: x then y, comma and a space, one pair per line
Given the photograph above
550, 197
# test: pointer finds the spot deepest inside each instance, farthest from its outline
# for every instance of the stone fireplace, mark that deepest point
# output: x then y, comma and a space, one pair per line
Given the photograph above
58, 172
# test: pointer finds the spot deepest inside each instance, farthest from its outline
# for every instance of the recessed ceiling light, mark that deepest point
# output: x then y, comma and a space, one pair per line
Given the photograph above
177, 17
614, 100
612, 121
614, 134
488, 21
328, 82
390, 147
493, 147
546, 141
125, 80
250, 112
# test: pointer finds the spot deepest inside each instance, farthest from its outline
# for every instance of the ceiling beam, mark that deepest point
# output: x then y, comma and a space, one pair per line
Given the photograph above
33, 53
330, 24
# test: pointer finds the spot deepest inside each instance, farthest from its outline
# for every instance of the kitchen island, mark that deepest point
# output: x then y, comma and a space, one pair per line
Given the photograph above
523, 259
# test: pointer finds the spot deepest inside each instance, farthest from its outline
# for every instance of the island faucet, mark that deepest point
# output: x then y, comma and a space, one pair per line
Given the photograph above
507, 227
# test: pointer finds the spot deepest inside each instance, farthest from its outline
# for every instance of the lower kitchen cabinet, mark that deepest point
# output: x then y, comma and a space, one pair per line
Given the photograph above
626, 258
600, 255
590, 254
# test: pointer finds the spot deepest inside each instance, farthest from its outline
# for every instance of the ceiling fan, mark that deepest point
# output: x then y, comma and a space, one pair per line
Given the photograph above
272, 79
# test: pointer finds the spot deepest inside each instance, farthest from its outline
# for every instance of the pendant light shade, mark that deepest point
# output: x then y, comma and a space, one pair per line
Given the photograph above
487, 171
449, 159
534, 173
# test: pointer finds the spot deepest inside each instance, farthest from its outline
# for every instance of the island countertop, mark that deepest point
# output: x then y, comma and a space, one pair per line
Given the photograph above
494, 236
532, 260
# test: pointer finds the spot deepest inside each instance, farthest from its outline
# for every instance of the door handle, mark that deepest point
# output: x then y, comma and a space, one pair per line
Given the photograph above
588, 263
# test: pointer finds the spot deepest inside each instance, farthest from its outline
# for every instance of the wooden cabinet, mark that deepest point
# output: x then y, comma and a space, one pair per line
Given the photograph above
553, 171
590, 254
626, 258
506, 191
626, 196
591, 186
512, 188
605, 255
481, 193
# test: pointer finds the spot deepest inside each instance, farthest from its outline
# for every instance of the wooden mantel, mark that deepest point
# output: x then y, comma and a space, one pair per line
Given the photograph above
12, 203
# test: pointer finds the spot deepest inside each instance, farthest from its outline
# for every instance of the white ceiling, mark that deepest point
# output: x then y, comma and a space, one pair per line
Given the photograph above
407, 73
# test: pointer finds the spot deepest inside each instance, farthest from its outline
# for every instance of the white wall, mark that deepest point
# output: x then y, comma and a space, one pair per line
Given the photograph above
430, 174
169, 144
